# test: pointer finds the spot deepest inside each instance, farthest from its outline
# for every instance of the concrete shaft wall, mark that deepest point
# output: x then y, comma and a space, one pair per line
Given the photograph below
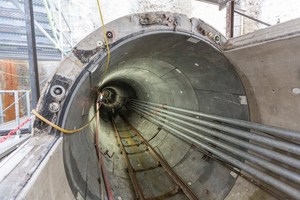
88, 20
268, 63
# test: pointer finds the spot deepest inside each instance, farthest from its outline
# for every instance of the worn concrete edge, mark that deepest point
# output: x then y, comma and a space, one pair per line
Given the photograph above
13, 154
11, 148
26, 171
284, 30
39, 169
9, 160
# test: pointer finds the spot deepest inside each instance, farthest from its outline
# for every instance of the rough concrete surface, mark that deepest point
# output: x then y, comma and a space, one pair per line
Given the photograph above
88, 19
272, 78
49, 181
244, 190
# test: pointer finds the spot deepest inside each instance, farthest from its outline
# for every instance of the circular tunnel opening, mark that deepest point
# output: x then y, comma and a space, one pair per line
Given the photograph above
165, 67
113, 97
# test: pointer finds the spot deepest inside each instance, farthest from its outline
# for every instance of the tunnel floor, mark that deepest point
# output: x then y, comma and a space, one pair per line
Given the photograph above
144, 161
151, 176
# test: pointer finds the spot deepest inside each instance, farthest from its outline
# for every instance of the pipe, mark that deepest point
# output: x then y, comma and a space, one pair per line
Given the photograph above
267, 165
266, 152
286, 146
256, 173
275, 131
252, 18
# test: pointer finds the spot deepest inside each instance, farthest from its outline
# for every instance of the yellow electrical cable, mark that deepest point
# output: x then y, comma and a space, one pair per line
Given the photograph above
59, 128
106, 67
106, 39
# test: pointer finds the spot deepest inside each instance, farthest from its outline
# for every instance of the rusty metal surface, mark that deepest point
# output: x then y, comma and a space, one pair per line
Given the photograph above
138, 192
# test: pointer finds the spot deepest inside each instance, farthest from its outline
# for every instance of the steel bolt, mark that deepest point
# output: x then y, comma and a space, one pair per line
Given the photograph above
54, 107
109, 34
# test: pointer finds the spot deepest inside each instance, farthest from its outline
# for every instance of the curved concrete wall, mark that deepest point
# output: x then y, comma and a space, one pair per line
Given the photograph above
80, 80
163, 58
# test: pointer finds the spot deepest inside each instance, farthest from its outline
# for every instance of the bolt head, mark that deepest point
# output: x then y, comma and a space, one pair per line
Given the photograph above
54, 107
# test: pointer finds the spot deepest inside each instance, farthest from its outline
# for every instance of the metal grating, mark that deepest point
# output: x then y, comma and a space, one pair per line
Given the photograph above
13, 40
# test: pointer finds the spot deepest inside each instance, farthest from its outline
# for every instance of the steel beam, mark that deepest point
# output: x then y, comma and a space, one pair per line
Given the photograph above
50, 19
32, 55
231, 18
16, 3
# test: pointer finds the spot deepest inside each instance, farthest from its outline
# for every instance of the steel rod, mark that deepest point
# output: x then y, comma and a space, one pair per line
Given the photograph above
32, 54
17, 112
252, 18
61, 42
256, 173
186, 190
50, 19
266, 152
231, 18
276, 131
286, 146
254, 159
138, 191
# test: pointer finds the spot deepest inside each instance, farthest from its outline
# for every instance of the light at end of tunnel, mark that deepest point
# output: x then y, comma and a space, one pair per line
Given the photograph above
296, 91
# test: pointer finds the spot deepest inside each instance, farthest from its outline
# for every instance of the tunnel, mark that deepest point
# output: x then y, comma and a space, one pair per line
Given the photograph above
178, 67
162, 58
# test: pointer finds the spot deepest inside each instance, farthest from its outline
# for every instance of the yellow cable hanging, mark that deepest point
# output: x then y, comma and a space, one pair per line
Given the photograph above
106, 40
106, 67
59, 128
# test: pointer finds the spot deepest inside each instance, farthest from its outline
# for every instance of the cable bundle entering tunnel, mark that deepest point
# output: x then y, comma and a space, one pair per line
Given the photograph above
239, 142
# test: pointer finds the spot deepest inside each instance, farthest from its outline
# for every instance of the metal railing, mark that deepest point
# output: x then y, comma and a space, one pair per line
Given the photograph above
268, 154
18, 102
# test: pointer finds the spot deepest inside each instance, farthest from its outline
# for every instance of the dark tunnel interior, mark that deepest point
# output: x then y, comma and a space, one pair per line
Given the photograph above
170, 68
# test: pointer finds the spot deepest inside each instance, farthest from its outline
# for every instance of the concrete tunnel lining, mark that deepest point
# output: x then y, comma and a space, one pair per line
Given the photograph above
152, 63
